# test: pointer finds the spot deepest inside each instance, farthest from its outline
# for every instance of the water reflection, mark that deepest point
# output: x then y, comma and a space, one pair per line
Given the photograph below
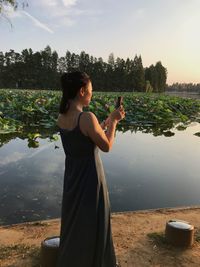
30, 184
154, 172
31, 136
142, 171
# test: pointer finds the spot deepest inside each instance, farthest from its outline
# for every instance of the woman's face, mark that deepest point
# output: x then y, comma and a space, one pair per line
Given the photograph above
87, 94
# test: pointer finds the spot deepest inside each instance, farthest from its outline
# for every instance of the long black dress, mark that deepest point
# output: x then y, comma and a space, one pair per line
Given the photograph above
86, 237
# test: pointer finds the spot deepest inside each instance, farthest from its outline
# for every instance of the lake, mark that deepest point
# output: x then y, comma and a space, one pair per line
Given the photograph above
183, 94
142, 171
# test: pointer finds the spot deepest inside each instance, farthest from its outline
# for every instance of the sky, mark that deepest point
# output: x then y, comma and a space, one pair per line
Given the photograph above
158, 30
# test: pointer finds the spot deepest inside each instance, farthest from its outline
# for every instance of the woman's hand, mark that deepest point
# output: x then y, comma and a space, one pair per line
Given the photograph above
117, 115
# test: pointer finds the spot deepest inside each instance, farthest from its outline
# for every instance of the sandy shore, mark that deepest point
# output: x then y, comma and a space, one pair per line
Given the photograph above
138, 238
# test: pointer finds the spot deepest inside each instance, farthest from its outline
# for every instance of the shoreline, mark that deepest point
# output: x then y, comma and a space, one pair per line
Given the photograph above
113, 213
138, 239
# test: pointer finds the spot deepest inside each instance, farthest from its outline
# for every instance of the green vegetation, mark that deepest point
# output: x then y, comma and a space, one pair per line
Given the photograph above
29, 114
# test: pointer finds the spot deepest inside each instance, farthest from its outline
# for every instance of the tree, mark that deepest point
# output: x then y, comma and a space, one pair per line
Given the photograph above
11, 68
111, 60
28, 76
84, 62
157, 76
119, 74
129, 78
2, 68
148, 88
138, 74
6, 2
109, 78
161, 76
98, 75
13, 3
62, 65
151, 76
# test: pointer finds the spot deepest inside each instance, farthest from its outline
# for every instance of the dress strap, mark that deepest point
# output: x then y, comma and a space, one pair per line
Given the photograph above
79, 119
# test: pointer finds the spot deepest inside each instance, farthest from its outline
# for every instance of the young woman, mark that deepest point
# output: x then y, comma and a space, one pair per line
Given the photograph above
85, 237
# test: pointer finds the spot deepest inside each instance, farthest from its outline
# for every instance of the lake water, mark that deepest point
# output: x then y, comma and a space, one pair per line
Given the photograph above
142, 172
184, 94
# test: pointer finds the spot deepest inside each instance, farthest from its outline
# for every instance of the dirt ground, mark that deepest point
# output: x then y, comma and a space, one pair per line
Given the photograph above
138, 238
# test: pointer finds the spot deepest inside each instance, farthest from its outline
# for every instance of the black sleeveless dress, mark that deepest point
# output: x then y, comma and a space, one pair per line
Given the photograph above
85, 237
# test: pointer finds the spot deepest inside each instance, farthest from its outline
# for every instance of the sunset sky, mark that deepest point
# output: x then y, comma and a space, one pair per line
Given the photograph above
158, 30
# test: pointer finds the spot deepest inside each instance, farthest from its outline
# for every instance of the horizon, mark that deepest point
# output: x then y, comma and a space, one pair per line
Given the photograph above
167, 32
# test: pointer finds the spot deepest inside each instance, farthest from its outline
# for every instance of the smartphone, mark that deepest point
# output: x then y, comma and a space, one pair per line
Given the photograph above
119, 101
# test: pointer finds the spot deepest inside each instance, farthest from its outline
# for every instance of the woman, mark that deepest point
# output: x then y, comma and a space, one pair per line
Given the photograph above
86, 237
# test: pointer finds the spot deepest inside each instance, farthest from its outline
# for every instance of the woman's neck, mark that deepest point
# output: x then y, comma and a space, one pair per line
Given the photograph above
76, 106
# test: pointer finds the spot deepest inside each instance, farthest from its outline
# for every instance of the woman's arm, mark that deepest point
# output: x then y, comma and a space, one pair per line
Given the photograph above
93, 129
110, 133
104, 123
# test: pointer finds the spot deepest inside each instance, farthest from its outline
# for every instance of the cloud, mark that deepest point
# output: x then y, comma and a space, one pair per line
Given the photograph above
40, 149
57, 13
50, 3
16, 156
37, 22
9, 13
65, 21
69, 2
56, 3
60, 12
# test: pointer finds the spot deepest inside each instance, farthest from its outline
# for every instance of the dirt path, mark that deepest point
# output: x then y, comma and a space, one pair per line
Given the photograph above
138, 238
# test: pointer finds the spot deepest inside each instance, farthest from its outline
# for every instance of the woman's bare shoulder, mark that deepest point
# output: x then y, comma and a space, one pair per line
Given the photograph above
89, 117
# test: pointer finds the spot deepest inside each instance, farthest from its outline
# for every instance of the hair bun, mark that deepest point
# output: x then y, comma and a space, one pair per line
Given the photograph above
66, 79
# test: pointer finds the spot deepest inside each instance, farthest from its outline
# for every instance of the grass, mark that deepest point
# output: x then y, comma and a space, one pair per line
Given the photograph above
197, 235
18, 250
39, 224
158, 238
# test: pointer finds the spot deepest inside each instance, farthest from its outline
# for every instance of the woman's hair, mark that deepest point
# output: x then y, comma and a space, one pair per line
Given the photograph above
71, 83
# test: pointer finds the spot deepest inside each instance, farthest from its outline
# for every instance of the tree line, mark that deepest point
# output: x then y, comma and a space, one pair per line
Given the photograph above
184, 87
42, 70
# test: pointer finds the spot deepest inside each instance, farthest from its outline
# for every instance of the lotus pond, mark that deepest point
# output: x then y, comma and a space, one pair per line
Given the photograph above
154, 162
